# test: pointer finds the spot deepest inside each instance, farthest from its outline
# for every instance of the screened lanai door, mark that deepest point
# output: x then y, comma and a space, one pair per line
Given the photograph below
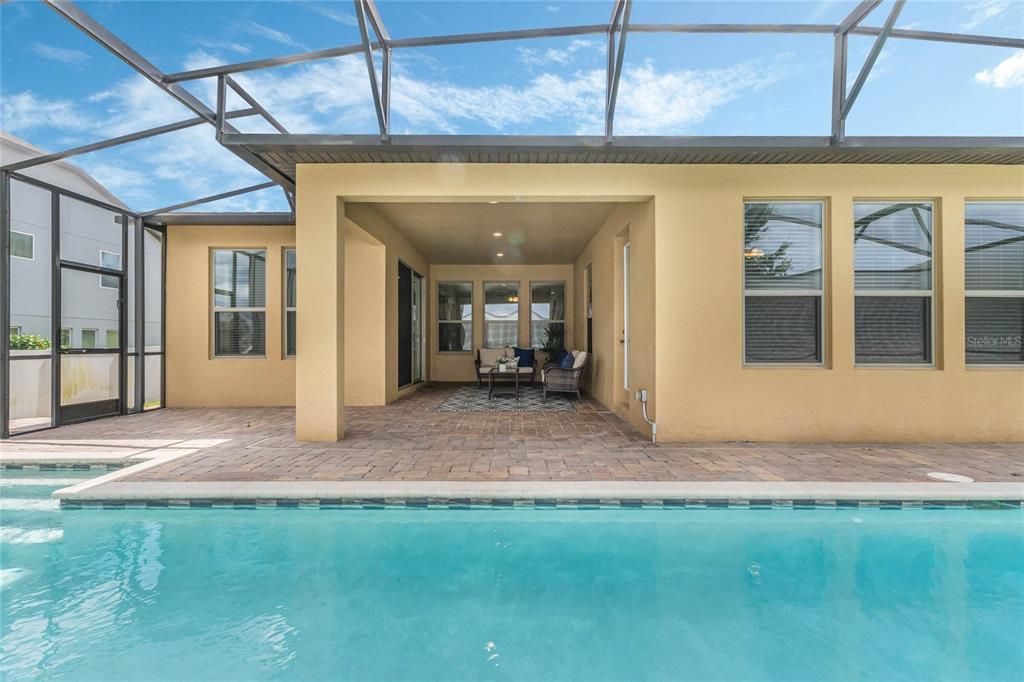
91, 308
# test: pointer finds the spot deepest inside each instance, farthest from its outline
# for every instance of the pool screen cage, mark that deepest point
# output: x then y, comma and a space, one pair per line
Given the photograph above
132, 349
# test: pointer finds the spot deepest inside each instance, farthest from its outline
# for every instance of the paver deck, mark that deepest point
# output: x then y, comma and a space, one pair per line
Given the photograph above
409, 441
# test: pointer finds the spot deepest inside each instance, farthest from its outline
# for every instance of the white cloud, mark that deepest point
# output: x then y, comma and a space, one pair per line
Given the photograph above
563, 56
333, 14
982, 12
272, 34
230, 46
60, 54
1006, 74
554, 9
24, 110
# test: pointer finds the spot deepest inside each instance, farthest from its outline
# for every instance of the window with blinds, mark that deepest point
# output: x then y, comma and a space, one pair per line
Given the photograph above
290, 309
501, 314
892, 249
239, 302
994, 271
454, 317
547, 313
783, 282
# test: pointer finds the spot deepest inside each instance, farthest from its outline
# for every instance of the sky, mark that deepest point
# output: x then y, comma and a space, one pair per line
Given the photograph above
59, 89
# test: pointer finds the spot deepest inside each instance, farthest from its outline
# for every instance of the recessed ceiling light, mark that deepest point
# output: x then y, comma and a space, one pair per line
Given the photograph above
492, 202
499, 255
497, 234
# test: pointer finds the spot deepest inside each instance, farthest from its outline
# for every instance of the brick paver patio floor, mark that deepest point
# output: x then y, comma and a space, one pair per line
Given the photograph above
408, 440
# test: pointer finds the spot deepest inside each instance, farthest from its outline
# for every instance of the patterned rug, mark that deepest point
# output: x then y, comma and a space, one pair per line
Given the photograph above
531, 399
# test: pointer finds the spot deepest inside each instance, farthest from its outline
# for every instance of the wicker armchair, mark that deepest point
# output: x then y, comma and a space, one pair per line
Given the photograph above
557, 379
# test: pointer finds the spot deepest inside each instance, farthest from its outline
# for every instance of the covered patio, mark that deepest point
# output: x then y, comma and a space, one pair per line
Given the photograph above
409, 440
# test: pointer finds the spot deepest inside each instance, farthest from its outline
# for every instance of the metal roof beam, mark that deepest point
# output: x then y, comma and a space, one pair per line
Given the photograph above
381, 100
121, 139
872, 57
206, 200
859, 14
251, 101
941, 37
221, 218
70, 11
616, 57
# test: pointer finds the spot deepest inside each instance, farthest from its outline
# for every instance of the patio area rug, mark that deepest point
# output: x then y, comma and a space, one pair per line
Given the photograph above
531, 399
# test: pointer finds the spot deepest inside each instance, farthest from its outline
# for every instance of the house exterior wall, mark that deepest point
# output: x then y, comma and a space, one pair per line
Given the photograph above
603, 255
704, 391
450, 366
195, 378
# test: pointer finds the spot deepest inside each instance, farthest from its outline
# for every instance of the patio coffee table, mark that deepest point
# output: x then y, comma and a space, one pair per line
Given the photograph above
511, 375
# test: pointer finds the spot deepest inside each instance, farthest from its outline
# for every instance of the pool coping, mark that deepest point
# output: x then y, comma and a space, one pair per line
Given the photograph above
109, 490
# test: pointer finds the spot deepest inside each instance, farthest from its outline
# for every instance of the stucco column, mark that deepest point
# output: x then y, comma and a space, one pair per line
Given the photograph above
320, 325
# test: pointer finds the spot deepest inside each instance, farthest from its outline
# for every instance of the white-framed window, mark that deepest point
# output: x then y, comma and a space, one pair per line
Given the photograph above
994, 279
239, 302
111, 261
112, 338
89, 338
290, 310
893, 282
65, 337
15, 331
454, 317
501, 314
783, 283
547, 313
23, 245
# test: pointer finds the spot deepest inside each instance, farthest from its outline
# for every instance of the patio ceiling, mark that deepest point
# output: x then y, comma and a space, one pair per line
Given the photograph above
275, 155
535, 233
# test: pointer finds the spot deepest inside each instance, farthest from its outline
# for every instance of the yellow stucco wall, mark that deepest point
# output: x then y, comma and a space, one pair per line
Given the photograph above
604, 381
703, 391
459, 366
194, 377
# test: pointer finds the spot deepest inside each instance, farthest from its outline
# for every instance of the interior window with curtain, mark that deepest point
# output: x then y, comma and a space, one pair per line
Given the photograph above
892, 247
783, 282
289, 302
994, 270
547, 313
501, 314
454, 317
239, 302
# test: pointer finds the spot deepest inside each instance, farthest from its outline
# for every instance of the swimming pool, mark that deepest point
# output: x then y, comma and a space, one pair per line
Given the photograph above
506, 594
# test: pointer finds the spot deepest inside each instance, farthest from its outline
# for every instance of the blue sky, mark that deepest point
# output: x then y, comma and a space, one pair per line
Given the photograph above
59, 89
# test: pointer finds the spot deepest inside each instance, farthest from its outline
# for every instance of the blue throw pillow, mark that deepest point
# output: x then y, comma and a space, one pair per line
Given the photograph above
525, 356
556, 358
567, 361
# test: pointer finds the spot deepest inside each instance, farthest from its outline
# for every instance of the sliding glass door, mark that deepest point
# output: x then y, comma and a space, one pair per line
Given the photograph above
411, 315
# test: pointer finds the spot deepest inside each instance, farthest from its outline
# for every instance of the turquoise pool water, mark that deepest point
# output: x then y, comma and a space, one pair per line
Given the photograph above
507, 595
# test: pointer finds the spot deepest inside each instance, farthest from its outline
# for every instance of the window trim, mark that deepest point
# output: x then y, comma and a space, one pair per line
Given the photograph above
438, 322
483, 309
60, 340
934, 330
987, 293
120, 268
96, 333
214, 308
285, 309
24, 234
529, 307
822, 294
106, 339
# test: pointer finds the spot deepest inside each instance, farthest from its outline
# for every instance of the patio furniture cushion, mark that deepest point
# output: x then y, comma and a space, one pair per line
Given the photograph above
489, 356
525, 357
579, 357
567, 361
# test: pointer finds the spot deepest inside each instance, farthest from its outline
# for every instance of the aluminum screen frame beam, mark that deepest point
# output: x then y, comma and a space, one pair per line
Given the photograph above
840, 56
208, 199
121, 139
366, 12
92, 28
865, 70
616, 58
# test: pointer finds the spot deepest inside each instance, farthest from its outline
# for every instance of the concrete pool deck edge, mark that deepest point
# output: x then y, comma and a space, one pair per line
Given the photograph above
110, 489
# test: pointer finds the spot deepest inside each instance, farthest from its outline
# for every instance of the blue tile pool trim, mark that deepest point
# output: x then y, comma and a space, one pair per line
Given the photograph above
69, 466
535, 503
